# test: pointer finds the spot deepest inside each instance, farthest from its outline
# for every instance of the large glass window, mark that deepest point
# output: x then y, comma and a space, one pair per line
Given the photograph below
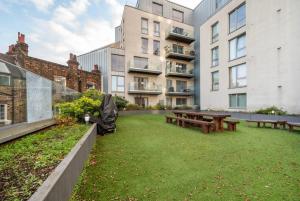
215, 56
237, 18
237, 47
156, 29
156, 47
144, 26
215, 32
4, 80
141, 62
238, 101
238, 76
178, 15
220, 3
178, 49
144, 45
2, 112
157, 9
215, 80
117, 62
181, 101
118, 83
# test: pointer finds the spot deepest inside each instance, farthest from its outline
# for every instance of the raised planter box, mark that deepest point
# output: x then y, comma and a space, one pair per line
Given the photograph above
59, 185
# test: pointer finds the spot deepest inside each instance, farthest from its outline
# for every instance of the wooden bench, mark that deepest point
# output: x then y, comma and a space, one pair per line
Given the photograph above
274, 123
231, 124
169, 119
205, 126
292, 125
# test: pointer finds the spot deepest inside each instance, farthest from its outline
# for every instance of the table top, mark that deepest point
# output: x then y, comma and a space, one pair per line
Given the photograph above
209, 114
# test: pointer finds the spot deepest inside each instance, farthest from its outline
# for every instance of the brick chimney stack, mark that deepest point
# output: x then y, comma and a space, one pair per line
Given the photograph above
73, 63
21, 38
96, 69
11, 50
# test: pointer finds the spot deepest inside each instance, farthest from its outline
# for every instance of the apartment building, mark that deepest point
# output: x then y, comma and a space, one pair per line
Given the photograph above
228, 55
247, 56
154, 54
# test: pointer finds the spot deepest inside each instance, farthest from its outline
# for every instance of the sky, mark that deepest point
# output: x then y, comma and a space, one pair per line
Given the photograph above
55, 28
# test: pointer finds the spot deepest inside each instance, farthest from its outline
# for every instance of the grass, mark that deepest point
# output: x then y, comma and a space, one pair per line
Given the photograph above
148, 159
25, 163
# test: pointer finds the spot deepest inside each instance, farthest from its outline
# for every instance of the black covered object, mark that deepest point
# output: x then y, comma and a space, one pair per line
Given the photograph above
106, 123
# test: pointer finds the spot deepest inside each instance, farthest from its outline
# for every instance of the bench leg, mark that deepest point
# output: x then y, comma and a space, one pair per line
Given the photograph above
205, 129
258, 124
291, 128
275, 126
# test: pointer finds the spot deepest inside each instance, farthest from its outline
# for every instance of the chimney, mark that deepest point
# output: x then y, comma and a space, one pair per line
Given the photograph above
73, 63
11, 50
21, 47
21, 38
96, 69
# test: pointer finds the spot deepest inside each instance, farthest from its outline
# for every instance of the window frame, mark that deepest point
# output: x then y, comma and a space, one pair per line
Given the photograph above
4, 113
236, 46
145, 58
9, 79
117, 84
146, 50
234, 11
177, 19
217, 60
155, 32
237, 101
215, 38
144, 30
162, 8
156, 51
236, 76
213, 83
123, 67
177, 99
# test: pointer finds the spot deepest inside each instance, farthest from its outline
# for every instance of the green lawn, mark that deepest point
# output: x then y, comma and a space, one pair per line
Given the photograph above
148, 159
25, 163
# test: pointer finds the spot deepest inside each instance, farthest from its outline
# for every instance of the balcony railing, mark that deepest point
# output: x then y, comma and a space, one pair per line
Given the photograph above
186, 54
144, 88
150, 68
186, 91
177, 71
180, 34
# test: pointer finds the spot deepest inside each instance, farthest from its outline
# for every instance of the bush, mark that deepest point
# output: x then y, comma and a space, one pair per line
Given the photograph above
184, 107
65, 121
269, 110
88, 103
133, 107
120, 102
159, 106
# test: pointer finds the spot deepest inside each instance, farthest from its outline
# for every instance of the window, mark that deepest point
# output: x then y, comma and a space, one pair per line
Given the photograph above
180, 67
220, 3
215, 56
237, 18
238, 76
237, 47
156, 47
141, 101
157, 9
90, 85
141, 83
117, 62
4, 80
178, 49
178, 30
156, 29
60, 80
170, 87
118, 83
140, 62
215, 32
215, 80
181, 101
3, 112
238, 101
144, 26
144, 45
178, 15
181, 86
169, 102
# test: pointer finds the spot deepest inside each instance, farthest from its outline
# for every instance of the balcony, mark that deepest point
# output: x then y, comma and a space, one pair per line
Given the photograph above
142, 88
151, 69
188, 91
180, 35
184, 54
177, 71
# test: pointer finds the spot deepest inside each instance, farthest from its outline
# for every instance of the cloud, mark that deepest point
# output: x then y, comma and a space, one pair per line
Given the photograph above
42, 5
68, 31
188, 3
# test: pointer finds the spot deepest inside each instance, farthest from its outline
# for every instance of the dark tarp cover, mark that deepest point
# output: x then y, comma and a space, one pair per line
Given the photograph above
106, 123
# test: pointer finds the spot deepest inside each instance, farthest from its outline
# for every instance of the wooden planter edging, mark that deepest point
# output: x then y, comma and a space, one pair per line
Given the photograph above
59, 185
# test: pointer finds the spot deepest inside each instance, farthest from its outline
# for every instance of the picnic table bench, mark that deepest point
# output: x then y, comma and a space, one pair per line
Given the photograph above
273, 123
231, 124
292, 125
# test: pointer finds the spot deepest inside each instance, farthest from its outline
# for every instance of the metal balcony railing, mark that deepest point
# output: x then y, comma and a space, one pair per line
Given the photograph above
180, 34
147, 68
142, 87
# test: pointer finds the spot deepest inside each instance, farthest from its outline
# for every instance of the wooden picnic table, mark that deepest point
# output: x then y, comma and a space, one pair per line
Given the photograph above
218, 119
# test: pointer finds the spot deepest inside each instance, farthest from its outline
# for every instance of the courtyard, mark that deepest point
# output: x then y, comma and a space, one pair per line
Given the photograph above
147, 159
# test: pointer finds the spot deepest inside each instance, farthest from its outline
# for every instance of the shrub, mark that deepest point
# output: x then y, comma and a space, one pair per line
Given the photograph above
184, 107
269, 110
65, 121
120, 102
89, 102
159, 106
133, 107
